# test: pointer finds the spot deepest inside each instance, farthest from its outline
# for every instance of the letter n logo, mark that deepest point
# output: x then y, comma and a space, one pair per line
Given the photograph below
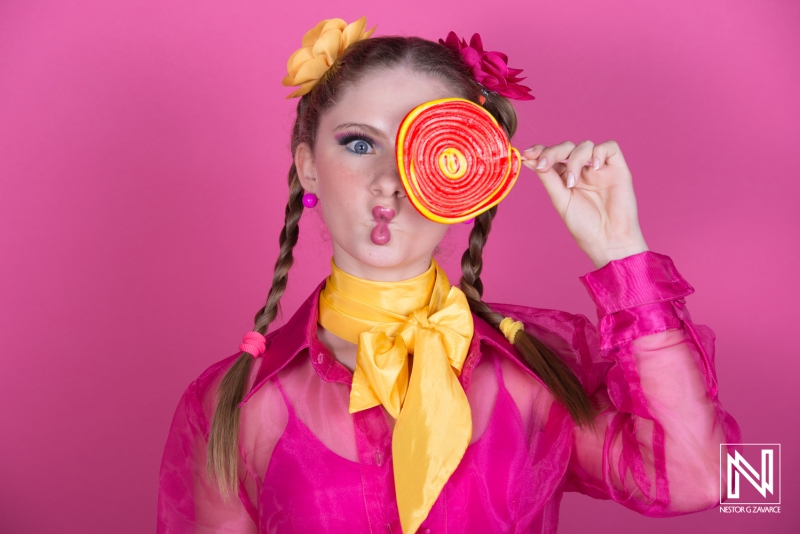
750, 470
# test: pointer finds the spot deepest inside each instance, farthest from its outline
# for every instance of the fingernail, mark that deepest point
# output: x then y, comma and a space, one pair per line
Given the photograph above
570, 180
542, 163
596, 163
529, 149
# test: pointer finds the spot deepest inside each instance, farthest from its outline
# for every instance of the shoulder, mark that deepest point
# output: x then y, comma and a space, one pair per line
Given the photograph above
556, 327
572, 337
199, 397
500, 367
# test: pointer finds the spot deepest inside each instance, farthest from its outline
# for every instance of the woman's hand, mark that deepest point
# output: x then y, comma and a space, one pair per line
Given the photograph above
597, 202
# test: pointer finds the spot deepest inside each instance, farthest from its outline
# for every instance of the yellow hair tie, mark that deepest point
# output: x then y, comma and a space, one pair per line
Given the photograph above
510, 327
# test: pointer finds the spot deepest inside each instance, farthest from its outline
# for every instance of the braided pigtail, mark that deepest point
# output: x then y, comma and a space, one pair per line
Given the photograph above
558, 378
223, 439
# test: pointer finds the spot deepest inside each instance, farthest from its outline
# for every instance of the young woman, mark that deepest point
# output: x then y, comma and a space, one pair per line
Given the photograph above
394, 402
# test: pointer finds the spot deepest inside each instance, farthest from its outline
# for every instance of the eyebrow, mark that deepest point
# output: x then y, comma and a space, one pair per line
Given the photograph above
371, 129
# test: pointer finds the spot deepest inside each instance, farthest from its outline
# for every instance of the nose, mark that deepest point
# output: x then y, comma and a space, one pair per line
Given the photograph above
387, 183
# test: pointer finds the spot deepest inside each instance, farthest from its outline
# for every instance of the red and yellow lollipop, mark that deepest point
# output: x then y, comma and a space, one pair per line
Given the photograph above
455, 160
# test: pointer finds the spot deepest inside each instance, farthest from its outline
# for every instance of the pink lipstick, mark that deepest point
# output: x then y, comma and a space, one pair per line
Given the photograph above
380, 234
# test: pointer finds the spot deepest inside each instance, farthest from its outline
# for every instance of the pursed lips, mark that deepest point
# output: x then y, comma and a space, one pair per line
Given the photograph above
381, 235
380, 213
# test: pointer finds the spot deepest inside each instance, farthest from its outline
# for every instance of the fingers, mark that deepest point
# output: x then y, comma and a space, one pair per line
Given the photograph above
540, 159
609, 153
547, 157
577, 160
530, 156
563, 161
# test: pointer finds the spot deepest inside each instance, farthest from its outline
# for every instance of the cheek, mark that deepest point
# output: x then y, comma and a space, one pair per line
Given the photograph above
337, 183
339, 195
430, 231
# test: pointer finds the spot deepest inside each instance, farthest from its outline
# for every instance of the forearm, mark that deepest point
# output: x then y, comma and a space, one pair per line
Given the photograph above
662, 431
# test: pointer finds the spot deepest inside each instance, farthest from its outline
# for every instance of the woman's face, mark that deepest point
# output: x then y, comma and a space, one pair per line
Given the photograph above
377, 233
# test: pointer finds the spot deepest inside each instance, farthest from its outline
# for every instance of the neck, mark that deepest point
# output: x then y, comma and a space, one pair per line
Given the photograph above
381, 271
350, 305
344, 351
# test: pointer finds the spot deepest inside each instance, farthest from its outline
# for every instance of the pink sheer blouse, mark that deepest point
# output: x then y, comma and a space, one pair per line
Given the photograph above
307, 465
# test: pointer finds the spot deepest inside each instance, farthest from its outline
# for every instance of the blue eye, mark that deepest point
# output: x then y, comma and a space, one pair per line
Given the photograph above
356, 142
359, 146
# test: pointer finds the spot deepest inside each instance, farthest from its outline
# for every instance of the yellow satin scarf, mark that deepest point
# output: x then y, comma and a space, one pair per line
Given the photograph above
428, 318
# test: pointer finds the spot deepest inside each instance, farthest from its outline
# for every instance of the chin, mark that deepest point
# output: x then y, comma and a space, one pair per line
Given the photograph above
382, 255
391, 255
402, 249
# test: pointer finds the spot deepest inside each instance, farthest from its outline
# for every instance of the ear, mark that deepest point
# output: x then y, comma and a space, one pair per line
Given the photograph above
306, 168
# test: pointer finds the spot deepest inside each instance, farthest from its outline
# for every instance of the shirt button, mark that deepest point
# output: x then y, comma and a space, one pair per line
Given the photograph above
378, 458
320, 357
389, 529
425, 531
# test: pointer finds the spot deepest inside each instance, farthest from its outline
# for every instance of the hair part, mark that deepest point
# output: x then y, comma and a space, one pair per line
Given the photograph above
360, 59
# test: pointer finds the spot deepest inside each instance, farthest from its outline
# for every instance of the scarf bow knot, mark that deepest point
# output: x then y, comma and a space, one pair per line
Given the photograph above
381, 374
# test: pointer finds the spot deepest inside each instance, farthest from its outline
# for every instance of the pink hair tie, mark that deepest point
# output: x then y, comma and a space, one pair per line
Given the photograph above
254, 343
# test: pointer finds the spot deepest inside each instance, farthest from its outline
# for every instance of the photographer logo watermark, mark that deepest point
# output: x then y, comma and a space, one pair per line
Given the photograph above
750, 478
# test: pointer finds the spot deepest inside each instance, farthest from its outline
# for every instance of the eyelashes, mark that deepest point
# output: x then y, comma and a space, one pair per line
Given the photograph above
351, 135
356, 142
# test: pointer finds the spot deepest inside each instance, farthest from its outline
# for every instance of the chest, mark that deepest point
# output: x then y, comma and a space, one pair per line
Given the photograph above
309, 488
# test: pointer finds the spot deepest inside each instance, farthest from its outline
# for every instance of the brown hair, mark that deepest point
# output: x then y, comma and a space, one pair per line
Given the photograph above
425, 57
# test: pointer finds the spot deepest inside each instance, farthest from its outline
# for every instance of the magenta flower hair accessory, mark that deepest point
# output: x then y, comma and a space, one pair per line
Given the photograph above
490, 69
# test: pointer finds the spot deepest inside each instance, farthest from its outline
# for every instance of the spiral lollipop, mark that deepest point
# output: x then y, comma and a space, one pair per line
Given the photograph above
454, 160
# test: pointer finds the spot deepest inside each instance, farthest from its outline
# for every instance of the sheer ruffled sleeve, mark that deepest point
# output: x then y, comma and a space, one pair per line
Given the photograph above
188, 502
655, 447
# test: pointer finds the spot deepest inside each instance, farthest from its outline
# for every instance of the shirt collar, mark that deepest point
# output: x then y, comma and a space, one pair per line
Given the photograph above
300, 332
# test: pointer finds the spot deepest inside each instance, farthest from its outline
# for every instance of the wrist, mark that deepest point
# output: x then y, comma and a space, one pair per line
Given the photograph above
618, 252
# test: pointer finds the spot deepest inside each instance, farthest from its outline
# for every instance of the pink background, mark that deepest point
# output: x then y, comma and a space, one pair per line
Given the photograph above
143, 155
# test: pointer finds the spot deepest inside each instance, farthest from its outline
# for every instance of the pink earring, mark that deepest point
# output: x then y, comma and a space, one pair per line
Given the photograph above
310, 200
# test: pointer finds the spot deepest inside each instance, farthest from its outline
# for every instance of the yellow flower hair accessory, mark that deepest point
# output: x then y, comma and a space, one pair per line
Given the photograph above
510, 327
321, 46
